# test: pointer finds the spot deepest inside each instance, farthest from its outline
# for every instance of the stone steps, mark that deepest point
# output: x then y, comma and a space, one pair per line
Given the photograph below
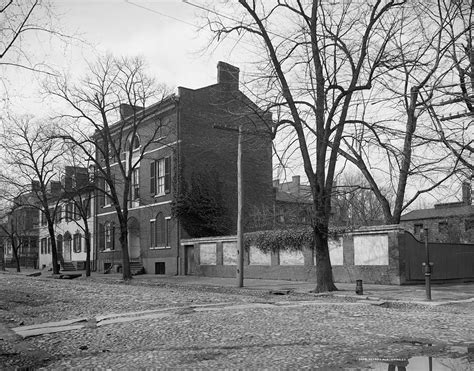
136, 268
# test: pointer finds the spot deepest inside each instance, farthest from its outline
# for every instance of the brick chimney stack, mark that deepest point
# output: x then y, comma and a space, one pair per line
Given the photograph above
466, 193
228, 76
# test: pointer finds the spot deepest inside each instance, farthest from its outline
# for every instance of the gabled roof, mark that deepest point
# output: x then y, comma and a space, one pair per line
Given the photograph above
438, 213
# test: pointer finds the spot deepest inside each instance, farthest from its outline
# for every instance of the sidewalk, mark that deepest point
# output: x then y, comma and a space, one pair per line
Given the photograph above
440, 293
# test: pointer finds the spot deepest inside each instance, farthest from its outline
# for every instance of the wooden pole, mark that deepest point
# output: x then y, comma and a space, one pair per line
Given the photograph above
240, 247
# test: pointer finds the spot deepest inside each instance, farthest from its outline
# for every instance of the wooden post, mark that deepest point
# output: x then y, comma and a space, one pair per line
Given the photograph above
427, 267
240, 247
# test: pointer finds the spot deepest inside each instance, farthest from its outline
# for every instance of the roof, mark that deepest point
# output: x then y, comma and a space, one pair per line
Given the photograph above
438, 213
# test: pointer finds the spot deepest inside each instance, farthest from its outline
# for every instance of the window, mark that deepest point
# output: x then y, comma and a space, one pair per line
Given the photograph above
43, 245
418, 228
69, 212
135, 142
135, 188
76, 243
77, 211
43, 218
160, 176
86, 207
443, 227
109, 236
58, 215
107, 200
160, 231
48, 245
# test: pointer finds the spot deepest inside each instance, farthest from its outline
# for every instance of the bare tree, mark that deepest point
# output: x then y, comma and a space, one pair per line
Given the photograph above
452, 105
18, 21
316, 60
397, 141
105, 113
354, 202
31, 164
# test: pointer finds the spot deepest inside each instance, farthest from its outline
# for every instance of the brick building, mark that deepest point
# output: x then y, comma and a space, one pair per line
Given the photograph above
293, 203
22, 225
192, 162
446, 222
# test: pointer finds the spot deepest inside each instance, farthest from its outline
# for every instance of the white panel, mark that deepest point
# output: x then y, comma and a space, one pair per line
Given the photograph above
371, 250
336, 251
257, 257
291, 258
208, 254
229, 250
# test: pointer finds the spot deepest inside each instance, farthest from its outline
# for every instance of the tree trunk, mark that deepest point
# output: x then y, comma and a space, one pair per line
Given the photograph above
54, 252
88, 254
324, 278
126, 273
15, 254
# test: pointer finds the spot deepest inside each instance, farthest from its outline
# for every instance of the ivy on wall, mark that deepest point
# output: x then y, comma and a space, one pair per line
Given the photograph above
284, 239
200, 207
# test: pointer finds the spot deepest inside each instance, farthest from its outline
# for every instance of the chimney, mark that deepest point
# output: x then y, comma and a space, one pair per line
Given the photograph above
127, 110
466, 193
295, 184
228, 76
35, 186
55, 187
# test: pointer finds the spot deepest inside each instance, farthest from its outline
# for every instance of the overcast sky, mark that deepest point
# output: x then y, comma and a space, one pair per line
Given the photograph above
164, 32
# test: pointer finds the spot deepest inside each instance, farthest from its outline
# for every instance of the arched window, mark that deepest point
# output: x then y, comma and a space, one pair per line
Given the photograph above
134, 142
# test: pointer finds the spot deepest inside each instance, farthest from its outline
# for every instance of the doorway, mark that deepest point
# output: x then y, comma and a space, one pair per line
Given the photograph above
189, 264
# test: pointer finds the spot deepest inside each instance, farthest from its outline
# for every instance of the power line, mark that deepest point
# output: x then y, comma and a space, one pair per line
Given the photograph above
162, 14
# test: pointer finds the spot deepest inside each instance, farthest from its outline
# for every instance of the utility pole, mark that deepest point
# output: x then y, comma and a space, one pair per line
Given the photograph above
240, 198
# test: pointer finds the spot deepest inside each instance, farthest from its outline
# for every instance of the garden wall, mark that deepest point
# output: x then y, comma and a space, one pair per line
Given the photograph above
381, 254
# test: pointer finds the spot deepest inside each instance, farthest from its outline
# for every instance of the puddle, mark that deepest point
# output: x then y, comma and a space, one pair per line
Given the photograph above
465, 363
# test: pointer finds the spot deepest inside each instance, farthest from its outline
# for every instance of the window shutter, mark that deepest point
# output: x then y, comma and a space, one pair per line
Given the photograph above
167, 174
152, 233
153, 177
101, 237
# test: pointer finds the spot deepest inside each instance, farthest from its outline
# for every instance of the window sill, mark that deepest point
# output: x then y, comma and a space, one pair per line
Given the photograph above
160, 248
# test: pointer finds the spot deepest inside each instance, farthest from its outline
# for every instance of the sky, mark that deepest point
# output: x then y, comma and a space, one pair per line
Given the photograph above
164, 32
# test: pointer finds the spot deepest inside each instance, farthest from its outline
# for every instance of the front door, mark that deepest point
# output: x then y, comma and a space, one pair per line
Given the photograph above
189, 268
67, 250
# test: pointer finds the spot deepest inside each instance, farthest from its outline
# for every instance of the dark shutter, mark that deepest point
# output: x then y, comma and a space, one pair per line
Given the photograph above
153, 177
167, 174
152, 233
101, 237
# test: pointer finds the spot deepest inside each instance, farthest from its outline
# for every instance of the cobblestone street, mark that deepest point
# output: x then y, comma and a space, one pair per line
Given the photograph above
216, 327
